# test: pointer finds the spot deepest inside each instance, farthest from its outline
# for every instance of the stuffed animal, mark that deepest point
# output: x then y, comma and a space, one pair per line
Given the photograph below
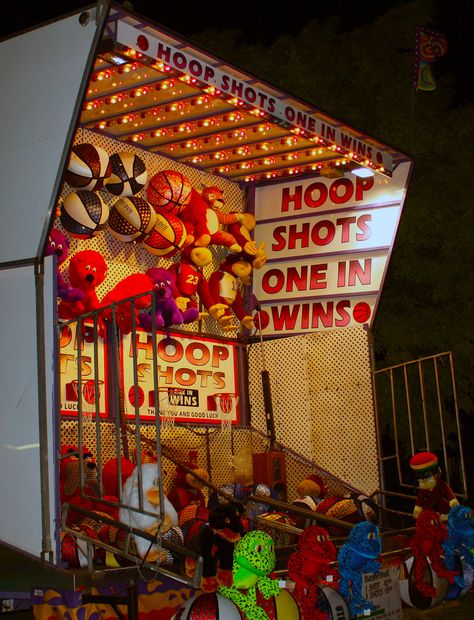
130, 511
309, 567
190, 280
87, 270
217, 219
460, 538
225, 285
135, 285
194, 218
251, 252
426, 547
308, 492
58, 245
359, 555
187, 489
254, 560
167, 312
433, 492
70, 480
217, 539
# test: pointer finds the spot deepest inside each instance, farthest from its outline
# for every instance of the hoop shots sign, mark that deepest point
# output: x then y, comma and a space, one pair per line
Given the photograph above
328, 243
197, 378
75, 391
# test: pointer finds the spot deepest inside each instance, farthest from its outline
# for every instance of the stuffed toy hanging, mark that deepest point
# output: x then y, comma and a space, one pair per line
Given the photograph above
167, 312
58, 245
190, 282
194, 217
433, 492
254, 560
359, 555
225, 285
186, 488
87, 270
426, 547
131, 286
309, 568
217, 219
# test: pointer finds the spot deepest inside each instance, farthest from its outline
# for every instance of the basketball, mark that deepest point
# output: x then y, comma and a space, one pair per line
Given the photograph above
128, 174
361, 312
169, 191
131, 219
88, 167
84, 214
167, 237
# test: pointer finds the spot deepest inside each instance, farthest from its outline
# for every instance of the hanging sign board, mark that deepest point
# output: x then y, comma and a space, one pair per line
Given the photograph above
328, 243
197, 378
243, 87
87, 392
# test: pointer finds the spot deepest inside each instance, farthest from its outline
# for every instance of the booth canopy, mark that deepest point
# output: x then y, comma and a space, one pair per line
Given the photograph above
151, 88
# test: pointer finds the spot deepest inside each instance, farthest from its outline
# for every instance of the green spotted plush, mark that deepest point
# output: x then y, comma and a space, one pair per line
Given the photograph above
254, 559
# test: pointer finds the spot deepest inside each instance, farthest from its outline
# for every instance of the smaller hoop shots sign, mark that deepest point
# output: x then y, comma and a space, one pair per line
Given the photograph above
81, 393
197, 378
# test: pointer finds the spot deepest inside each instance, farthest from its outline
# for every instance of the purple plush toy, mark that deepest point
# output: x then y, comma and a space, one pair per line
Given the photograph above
58, 244
167, 312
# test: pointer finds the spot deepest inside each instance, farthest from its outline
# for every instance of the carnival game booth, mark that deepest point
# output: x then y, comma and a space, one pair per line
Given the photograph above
191, 264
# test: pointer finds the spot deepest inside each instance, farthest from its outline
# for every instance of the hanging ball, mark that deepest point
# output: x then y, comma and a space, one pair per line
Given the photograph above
84, 214
167, 237
88, 167
261, 319
169, 191
128, 174
131, 219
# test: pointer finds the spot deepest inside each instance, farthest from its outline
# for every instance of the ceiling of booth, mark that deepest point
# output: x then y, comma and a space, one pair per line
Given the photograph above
135, 98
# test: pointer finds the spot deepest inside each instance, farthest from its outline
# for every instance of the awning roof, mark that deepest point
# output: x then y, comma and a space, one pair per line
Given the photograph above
157, 91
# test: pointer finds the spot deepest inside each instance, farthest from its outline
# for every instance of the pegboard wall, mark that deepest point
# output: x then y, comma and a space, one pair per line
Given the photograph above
322, 400
123, 259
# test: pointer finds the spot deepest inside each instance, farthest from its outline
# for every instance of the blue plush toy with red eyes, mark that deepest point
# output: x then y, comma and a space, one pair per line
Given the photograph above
167, 312
357, 556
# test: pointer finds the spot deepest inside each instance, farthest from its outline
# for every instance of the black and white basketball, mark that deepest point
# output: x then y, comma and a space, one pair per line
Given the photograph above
129, 174
88, 167
131, 219
84, 214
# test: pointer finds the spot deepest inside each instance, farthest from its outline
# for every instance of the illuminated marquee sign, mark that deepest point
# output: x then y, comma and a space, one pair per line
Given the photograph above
328, 243
193, 373
154, 47
88, 390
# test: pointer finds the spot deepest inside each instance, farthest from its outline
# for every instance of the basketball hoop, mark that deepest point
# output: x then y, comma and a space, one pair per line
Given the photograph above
227, 406
87, 396
167, 409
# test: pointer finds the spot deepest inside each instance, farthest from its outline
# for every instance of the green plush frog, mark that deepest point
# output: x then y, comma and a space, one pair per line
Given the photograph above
254, 559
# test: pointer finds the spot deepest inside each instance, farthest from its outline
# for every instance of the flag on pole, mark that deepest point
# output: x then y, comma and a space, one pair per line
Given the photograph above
429, 46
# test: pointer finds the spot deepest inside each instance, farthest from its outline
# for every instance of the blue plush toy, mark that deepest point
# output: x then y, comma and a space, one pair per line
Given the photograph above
460, 539
357, 556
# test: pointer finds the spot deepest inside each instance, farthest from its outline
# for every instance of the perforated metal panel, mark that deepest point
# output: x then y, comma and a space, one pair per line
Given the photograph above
322, 400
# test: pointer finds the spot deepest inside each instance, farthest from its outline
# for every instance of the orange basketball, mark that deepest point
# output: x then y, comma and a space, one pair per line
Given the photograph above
169, 191
167, 237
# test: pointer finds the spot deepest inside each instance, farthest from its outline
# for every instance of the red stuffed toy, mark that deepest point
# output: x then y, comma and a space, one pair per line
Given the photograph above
190, 280
426, 546
194, 218
87, 271
186, 489
309, 568
225, 285
131, 286
216, 219
58, 245
70, 480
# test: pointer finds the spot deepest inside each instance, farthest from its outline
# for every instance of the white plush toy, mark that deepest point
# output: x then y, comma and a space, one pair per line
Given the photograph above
151, 503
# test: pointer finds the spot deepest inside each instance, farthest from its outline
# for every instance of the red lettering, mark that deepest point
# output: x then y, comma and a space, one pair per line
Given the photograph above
321, 239
163, 346
318, 276
250, 94
290, 113
179, 60
319, 313
343, 314
362, 225
195, 68
236, 88
164, 53
209, 73
348, 189
363, 185
204, 354
271, 105
283, 318
295, 235
322, 193
277, 276
219, 354
345, 222
356, 271
295, 198
278, 235
293, 278
225, 84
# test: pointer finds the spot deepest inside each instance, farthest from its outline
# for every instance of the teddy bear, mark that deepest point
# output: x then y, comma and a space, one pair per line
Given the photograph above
134, 285
186, 488
225, 285
216, 219
194, 218
58, 245
167, 312
132, 512
87, 270
190, 280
